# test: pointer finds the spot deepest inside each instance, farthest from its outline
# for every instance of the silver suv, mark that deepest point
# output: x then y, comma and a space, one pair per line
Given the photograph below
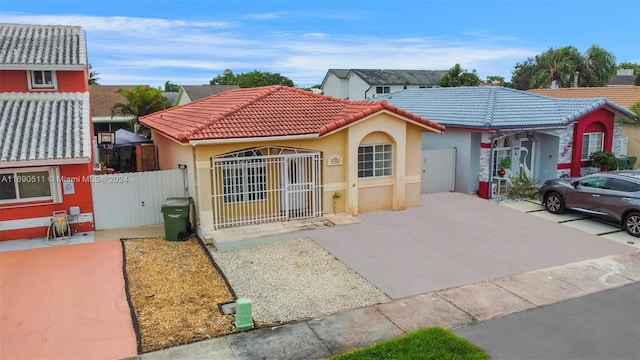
612, 195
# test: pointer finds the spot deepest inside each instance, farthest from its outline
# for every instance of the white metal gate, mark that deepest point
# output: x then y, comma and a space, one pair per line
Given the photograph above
134, 199
266, 184
438, 170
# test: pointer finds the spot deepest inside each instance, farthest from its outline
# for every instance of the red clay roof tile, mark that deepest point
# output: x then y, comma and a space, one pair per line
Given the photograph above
268, 111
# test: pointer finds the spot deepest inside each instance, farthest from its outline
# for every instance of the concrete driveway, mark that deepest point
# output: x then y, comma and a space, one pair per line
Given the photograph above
454, 239
65, 302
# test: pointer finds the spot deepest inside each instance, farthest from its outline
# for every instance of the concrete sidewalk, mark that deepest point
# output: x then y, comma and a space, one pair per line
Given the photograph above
451, 308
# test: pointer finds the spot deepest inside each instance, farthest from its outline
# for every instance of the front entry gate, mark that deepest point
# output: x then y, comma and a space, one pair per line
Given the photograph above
266, 184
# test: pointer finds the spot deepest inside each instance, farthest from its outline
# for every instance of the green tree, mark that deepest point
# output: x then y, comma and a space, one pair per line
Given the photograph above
226, 78
457, 76
93, 76
254, 78
522, 74
636, 110
636, 70
140, 101
557, 66
599, 67
171, 87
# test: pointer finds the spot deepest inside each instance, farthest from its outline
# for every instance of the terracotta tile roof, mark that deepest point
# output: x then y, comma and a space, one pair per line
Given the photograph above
42, 128
32, 46
103, 97
624, 96
268, 111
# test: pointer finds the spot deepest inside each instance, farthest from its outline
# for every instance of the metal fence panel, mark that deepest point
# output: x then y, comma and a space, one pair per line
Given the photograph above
134, 199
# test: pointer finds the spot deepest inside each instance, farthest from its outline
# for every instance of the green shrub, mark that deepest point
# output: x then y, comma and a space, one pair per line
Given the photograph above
603, 160
522, 187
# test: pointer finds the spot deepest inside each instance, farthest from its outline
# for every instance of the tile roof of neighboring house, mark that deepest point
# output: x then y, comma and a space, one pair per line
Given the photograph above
269, 111
400, 77
103, 97
340, 73
624, 96
391, 77
44, 128
197, 92
42, 46
491, 107
622, 80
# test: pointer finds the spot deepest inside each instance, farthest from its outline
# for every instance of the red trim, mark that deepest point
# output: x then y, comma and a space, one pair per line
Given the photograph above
564, 166
485, 145
483, 190
600, 120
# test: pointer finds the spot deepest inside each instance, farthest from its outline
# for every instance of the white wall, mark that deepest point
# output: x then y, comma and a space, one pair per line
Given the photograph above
336, 87
358, 88
467, 146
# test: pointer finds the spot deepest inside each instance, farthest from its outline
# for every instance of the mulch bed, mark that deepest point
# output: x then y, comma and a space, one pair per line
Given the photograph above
174, 291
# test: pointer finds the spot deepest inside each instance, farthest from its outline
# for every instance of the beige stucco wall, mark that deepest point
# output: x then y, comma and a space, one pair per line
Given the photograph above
339, 166
633, 148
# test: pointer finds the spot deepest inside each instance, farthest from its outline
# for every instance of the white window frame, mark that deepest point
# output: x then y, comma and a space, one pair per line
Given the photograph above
244, 178
383, 89
53, 178
589, 145
381, 162
31, 76
499, 154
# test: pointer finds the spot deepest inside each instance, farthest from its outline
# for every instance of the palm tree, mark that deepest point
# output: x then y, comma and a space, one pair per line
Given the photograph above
599, 66
140, 101
556, 67
93, 76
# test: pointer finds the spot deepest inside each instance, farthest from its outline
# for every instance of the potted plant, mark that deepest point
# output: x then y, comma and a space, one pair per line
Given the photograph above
505, 163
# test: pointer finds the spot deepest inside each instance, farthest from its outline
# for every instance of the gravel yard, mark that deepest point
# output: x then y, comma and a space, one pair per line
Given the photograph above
294, 280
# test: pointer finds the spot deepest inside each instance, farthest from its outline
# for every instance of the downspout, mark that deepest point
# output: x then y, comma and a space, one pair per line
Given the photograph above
366, 91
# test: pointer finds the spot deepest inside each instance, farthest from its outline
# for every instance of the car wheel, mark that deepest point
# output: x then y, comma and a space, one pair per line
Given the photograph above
632, 224
554, 203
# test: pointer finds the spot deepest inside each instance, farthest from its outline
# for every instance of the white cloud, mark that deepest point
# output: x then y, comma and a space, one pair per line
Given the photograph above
130, 50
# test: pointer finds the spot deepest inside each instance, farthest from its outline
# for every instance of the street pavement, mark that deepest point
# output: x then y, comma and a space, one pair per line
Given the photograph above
604, 325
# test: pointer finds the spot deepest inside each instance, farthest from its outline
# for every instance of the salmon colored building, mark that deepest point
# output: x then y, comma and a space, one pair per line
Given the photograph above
46, 137
277, 153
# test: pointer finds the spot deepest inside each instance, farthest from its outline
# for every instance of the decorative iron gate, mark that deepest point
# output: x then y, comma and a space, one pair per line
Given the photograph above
266, 184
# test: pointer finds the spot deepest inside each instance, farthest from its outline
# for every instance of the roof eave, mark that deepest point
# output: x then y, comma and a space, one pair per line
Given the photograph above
27, 67
253, 139
44, 162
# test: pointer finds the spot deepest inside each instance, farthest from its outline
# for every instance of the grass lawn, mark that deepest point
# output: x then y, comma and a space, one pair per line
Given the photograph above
433, 343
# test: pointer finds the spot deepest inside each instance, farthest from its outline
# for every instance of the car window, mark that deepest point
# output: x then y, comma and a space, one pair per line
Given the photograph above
621, 185
593, 182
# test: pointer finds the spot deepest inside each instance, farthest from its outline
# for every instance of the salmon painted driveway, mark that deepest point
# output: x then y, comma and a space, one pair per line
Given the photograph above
65, 302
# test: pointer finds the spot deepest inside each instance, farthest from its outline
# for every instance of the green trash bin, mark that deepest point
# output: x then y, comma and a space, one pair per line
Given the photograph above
175, 212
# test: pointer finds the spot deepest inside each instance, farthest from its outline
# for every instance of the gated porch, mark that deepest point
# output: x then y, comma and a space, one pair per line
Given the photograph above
266, 184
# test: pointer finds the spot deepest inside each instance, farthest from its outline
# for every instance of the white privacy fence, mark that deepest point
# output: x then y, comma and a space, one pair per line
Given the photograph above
134, 199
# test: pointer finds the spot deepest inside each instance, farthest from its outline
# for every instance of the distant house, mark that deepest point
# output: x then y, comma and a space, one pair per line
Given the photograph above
625, 96
362, 84
189, 93
103, 97
46, 144
277, 153
623, 77
544, 137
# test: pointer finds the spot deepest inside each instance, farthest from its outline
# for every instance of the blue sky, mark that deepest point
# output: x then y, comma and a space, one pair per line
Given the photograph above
190, 42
